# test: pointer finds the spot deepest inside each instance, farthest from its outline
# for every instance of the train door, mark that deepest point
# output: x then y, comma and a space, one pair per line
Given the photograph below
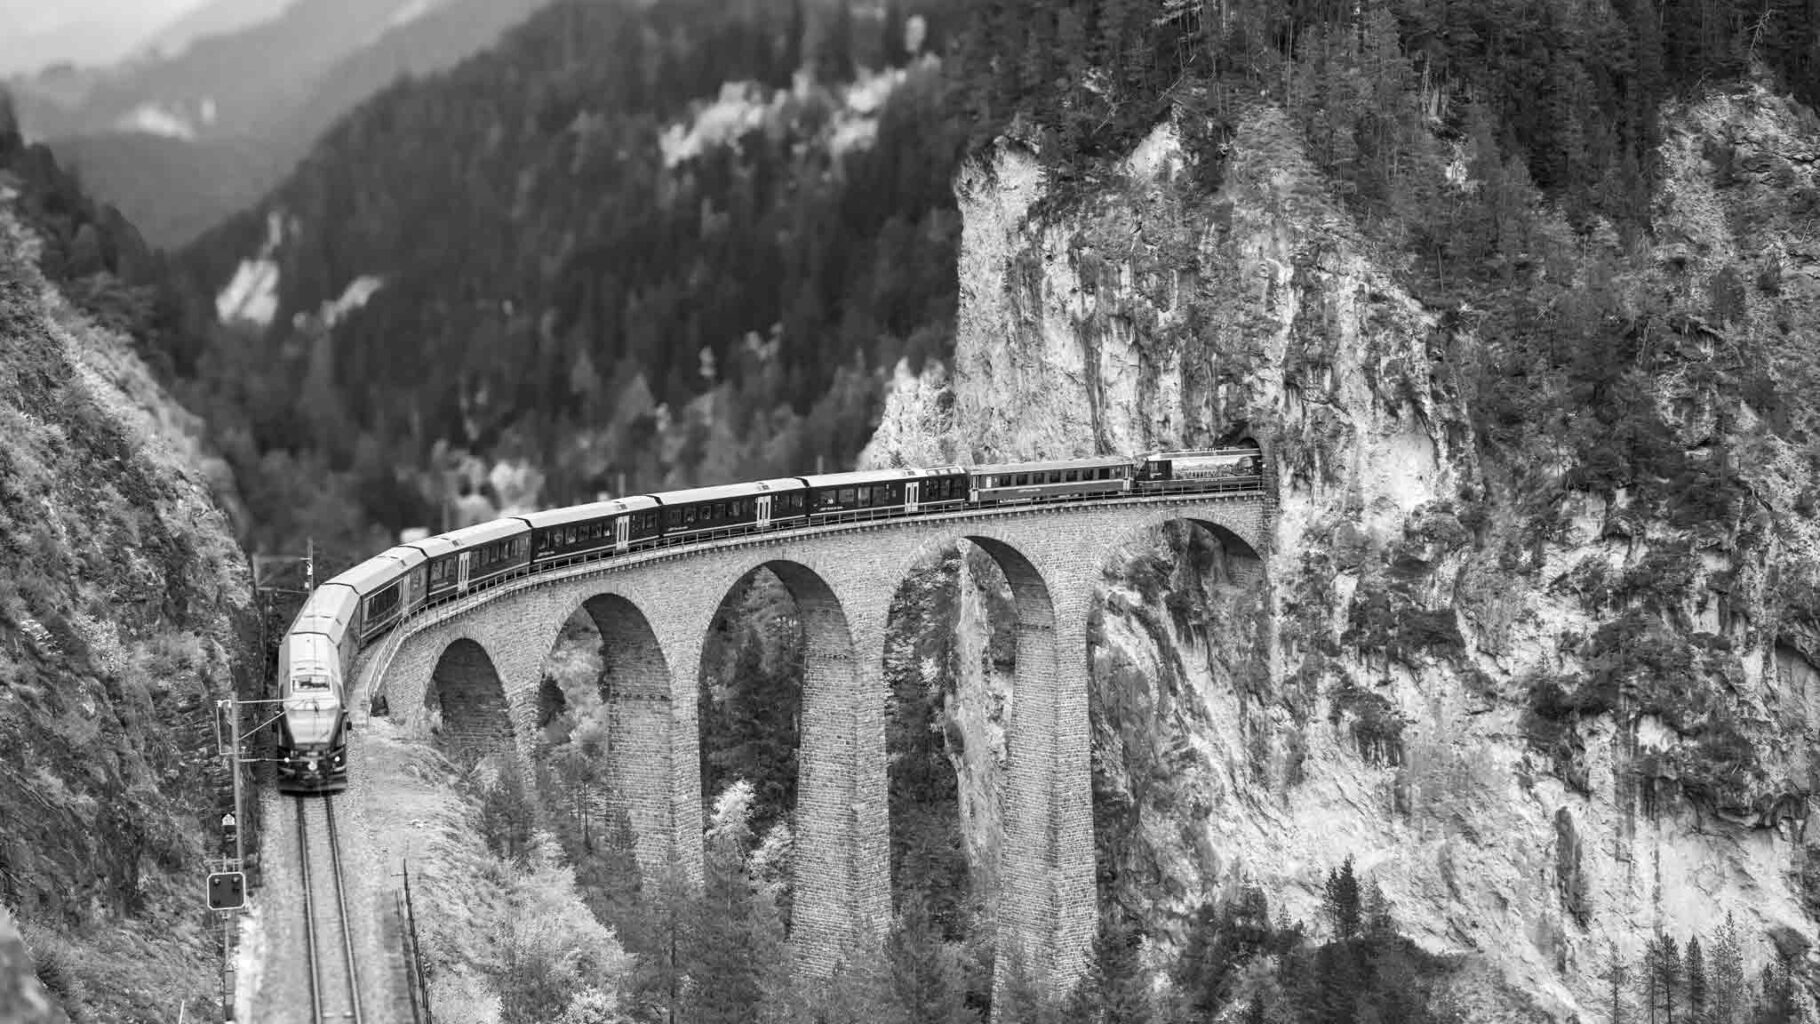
911, 492
461, 573
764, 512
622, 532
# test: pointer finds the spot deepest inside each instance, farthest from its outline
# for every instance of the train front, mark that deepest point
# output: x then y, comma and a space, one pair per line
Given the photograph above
312, 732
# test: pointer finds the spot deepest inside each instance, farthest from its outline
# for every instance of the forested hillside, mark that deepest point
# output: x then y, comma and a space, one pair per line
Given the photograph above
654, 245
181, 141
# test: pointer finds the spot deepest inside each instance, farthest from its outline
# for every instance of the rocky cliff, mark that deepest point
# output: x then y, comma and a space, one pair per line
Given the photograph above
1554, 699
122, 601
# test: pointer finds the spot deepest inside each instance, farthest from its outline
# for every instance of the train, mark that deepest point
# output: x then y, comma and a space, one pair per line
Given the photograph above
354, 609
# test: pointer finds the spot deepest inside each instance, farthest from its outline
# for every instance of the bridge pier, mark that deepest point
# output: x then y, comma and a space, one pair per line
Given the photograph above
842, 901
1047, 907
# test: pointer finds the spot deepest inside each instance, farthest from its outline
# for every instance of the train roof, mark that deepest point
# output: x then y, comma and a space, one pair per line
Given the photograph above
375, 573
331, 606
590, 511
1089, 462
728, 491
405, 555
310, 651
1243, 448
877, 476
470, 536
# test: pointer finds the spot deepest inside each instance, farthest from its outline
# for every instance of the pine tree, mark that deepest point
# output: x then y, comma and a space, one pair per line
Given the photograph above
1667, 965
1619, 974
1342, 900
1726, 992
925, 972
1378, 921
1695, 968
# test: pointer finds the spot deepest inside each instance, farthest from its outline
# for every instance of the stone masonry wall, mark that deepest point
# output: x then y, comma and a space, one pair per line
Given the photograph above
655, 610
636, 690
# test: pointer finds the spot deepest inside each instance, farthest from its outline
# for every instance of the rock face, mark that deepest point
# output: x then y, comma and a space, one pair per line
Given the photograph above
1549, 725
22, 998
123, 598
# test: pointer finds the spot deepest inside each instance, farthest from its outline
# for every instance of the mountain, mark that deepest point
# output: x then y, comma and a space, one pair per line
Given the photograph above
221, 85
648, 244
173, 189
1534, 647
210, 18
157, 138
123, 619
83, 32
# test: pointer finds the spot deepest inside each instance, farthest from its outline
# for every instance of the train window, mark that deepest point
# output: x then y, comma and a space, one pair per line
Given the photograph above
383, 603
720, 510
689, 516
865, 497
846, 496
881, 495
735, 509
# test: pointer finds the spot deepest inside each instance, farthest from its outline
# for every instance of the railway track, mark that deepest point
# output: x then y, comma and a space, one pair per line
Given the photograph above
328, 929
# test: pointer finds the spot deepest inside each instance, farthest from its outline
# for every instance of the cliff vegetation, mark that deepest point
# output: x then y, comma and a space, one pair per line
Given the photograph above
122, 621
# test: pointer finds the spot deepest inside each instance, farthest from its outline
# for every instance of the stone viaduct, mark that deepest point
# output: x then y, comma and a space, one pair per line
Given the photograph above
480, 660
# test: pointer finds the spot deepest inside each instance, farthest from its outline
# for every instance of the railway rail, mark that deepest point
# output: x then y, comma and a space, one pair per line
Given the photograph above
328, 928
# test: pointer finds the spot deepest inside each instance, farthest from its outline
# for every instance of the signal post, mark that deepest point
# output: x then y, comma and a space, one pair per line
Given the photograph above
227, 887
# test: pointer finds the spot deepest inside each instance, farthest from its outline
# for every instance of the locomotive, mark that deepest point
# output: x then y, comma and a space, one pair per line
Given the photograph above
351, 611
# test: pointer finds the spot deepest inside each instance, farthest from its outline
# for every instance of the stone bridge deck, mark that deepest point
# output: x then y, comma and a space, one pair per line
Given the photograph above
479, 661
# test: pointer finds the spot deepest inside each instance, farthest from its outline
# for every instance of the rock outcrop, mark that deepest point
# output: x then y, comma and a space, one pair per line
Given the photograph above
1550, 719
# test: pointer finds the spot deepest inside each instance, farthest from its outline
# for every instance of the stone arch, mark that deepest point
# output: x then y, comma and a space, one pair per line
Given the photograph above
838, 818
635, 688
1239, 548
466, 700
1044, 907
1179, 638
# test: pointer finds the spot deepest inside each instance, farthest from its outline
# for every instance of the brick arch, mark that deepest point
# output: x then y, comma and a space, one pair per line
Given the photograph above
1245, 562
1045, 832
467, 692
1236, 540
836, 885
635, 685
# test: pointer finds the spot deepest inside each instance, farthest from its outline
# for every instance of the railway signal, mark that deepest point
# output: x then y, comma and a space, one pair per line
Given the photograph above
227, 890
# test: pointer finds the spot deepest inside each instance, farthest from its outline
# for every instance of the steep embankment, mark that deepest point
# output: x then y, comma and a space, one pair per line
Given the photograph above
1537, 640
122, 597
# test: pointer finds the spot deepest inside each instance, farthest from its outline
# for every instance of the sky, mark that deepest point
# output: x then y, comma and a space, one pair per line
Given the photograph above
34, 33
